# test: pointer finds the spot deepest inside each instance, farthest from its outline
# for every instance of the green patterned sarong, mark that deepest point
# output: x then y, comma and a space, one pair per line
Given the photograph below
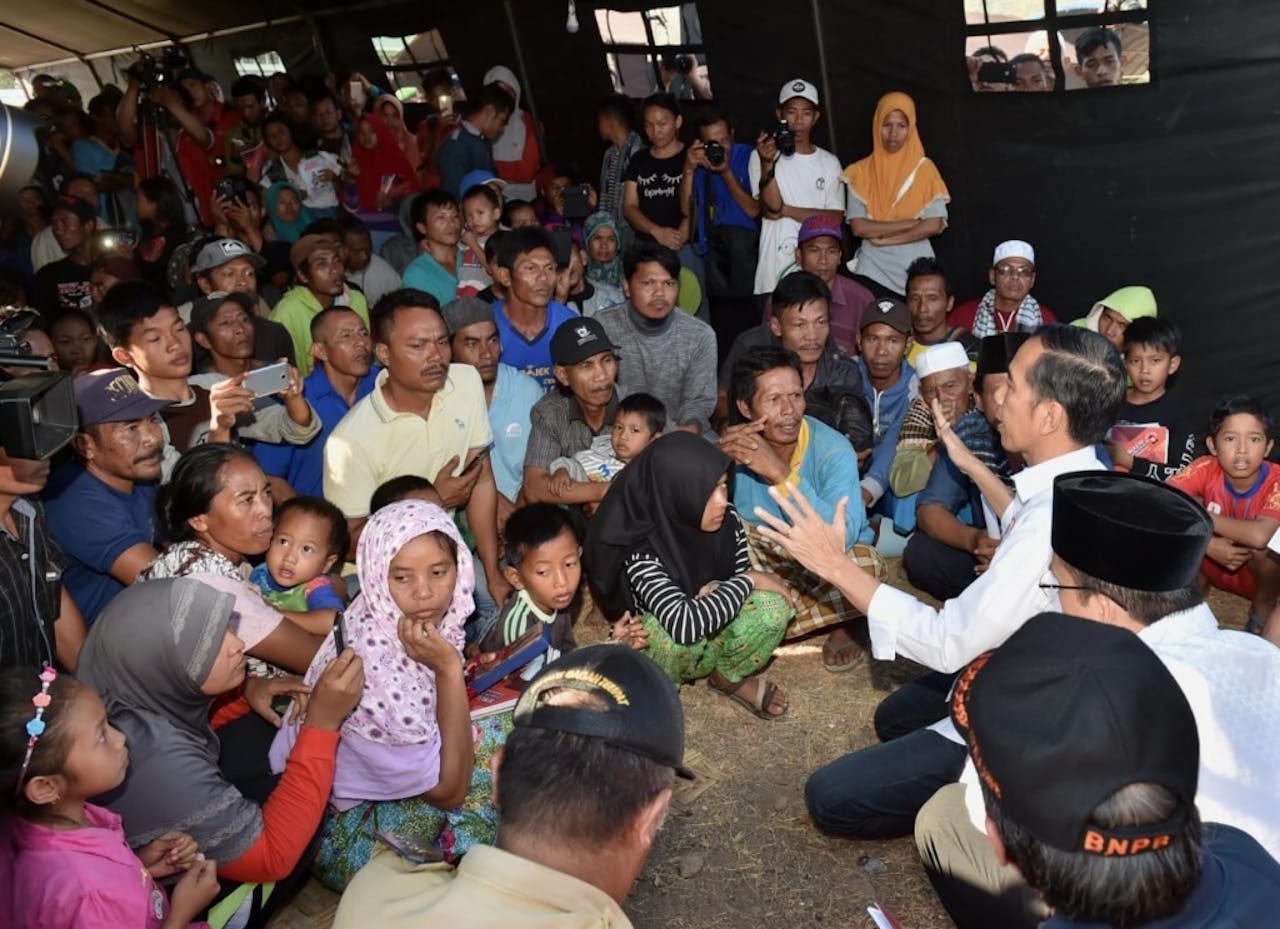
737, 651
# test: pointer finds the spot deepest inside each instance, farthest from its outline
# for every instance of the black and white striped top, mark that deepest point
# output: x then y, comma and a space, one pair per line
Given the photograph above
688, 619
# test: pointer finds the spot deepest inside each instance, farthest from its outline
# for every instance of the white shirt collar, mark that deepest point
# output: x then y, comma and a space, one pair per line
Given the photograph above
1038, 479
1188, 624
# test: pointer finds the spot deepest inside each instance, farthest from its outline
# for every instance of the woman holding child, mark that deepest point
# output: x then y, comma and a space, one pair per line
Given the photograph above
216, 514
666, 544
411, 765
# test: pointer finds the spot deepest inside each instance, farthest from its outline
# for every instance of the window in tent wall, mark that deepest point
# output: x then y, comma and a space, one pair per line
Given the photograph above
1057, 45
261, 65
655, 49
418, 65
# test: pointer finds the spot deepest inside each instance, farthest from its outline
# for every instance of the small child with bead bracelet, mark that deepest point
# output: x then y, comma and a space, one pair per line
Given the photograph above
72, 868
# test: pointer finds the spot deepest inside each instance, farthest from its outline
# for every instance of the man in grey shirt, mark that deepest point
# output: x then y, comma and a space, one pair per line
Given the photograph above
662, 352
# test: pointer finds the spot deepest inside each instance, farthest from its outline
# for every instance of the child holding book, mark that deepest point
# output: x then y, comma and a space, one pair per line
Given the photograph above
1241, 491
1153, 434
73, 868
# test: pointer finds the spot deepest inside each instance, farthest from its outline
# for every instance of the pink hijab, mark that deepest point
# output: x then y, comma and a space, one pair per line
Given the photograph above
399, 702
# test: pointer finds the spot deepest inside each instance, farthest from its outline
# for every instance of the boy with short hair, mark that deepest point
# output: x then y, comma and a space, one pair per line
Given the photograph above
1152, 435
1241, 491
404, 487
641, 418
481, 213
543, 562
310, 538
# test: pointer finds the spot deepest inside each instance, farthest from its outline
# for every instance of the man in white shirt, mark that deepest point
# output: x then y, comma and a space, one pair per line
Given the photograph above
1063, 393
792, 187
1126, 552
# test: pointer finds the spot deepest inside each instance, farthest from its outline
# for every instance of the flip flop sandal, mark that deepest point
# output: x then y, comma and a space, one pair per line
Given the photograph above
756, 707
838, 652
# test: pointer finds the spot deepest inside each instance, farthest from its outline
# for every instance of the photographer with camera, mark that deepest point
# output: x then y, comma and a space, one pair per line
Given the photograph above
794, 179
175, 133
726, 222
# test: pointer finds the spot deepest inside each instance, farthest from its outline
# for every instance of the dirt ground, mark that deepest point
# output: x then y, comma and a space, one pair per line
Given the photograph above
738, 848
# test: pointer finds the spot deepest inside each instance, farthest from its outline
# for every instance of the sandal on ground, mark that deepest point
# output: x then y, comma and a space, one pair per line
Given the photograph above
763, 698
829, 653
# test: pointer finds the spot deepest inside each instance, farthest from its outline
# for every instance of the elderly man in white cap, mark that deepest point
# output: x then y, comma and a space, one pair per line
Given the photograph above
1008, 306
945, 376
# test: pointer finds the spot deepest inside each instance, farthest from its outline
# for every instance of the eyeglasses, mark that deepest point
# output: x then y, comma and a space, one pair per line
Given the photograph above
1049, 582
1014, 271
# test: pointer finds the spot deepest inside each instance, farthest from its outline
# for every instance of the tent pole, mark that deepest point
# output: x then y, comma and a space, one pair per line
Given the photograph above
527, 96
828, 111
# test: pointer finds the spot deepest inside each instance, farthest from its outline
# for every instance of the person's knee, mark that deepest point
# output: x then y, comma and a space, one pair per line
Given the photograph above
829, 798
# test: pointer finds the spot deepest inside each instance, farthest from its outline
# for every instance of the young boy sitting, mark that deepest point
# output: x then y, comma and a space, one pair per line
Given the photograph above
1241, 491
1153, 434
543, 562
482, 211
640, 419
309, 539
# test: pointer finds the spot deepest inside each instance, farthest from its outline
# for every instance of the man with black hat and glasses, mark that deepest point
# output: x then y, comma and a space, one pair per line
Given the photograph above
1126, 552
1086, 750
582, 788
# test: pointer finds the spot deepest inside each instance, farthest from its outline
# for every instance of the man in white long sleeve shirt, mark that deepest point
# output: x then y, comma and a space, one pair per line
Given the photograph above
1063, 392
1126, 552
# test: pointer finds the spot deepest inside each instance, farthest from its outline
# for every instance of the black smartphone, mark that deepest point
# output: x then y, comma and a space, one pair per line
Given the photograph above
339, 634
474, 462
997, 72
562, 245
577, 202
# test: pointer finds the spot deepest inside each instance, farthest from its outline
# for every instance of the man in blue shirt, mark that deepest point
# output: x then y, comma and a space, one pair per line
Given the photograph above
343, 375
468, 146
778, 445
101, 507
510, 394
528, 317
951, 545
726, 222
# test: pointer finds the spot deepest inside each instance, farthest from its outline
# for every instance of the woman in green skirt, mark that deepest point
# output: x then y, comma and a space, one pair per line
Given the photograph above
667, 545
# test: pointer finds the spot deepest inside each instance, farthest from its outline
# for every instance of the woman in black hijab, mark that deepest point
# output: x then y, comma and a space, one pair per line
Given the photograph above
667, 544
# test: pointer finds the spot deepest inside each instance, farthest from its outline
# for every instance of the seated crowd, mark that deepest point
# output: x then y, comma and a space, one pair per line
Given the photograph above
365, 406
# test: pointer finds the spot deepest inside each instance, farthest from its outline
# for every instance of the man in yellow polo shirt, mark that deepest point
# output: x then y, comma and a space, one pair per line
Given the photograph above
582, 787
424, 417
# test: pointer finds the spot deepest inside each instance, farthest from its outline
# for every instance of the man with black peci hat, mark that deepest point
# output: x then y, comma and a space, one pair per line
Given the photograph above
582, 787
1126, 555
1087, 753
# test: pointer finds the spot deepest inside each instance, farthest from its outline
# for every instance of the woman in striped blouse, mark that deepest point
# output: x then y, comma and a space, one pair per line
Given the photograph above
667, 545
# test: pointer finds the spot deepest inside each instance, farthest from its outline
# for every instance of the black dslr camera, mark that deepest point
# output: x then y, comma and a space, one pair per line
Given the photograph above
783, 137
715, 153
151, 71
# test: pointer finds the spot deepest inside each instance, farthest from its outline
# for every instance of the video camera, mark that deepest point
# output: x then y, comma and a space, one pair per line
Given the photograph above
151, 71
37, 410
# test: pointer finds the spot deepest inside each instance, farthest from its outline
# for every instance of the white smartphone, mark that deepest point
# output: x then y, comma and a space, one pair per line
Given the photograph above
273, 379
357, 94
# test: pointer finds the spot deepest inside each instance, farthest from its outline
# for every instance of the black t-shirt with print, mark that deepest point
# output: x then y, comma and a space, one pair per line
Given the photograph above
658, 186
61, 285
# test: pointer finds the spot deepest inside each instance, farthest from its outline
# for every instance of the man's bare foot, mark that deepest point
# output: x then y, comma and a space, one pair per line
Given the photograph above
840, 652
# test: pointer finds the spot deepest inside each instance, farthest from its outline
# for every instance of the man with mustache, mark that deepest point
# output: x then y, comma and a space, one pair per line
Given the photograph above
101, 506
662, 352
799, 320
778, 446
426, 417
342, 376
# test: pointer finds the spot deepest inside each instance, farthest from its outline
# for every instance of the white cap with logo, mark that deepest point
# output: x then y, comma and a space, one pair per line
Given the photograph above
798, 88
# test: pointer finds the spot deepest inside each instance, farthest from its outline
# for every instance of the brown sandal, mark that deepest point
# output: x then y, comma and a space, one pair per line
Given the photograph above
763, 698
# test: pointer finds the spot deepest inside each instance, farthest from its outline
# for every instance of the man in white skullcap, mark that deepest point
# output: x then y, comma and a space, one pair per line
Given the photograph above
1008, 306
945, 376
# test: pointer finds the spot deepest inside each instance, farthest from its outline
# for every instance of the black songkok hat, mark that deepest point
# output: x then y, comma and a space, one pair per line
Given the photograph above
1128, 530
996, 351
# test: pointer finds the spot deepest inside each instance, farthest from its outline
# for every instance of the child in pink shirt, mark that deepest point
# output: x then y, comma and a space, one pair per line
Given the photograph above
71, 867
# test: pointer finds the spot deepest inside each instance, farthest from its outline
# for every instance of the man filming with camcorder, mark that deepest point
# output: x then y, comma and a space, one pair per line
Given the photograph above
794, 179
39, 622
168, 113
